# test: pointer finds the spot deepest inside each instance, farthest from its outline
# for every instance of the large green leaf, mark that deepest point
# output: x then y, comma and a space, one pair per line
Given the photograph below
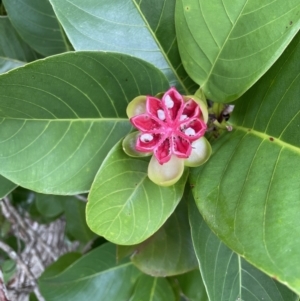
152, 289
6, 186
170, 250
124, 205
50, 205
227, 276
95, 276
75, 218
14, 52
36, 23
191, 286
60, 116
226, 46
249, 190
144, 29
61, 264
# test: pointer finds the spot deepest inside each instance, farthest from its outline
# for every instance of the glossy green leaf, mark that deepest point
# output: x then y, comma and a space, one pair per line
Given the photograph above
226, 46
50, 205
144, 29
191, 286
170, 250
36, 23
95, 276
152, 289
14, 52
6, 187
124, 205
60, 116
124, 251
248, 192
61, 264
75, 218
227, 276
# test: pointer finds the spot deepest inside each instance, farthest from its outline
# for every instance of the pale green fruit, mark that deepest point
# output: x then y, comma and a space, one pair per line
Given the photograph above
129, 143
165, 174
201, 151
137, 106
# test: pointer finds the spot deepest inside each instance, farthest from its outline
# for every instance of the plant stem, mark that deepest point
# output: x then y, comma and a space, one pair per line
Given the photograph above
14, 256
3, 291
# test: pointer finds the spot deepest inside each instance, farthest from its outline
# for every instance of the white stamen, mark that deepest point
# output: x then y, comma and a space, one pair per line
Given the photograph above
146, 137
169, 102
182, 117
190, 132
161, 114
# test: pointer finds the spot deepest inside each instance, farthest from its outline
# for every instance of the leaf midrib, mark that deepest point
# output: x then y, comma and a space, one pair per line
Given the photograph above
153, 288
221, 49
85, 277
160, 47
129, 200
240, 275
266, 136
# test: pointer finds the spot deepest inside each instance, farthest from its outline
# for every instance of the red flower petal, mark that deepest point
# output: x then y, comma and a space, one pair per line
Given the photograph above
173, 104
181, 147
191, 109
145, 123
193, 129
155, 108
147, 142
163, 151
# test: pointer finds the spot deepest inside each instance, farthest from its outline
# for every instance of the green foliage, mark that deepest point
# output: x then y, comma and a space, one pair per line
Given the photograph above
49, 205
14, 52
67, 112
191, 285
76, 224
150, 288
36, 23
95, 276
226, 46
63, 119
227, 275
250, 180
169, 251
144, 29
124, 205
8, 267
6, 186
60, 265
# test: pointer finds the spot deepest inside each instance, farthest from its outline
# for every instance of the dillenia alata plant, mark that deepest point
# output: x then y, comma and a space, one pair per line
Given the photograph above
124, 118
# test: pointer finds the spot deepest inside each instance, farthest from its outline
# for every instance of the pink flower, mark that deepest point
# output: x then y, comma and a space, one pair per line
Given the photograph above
172, 128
